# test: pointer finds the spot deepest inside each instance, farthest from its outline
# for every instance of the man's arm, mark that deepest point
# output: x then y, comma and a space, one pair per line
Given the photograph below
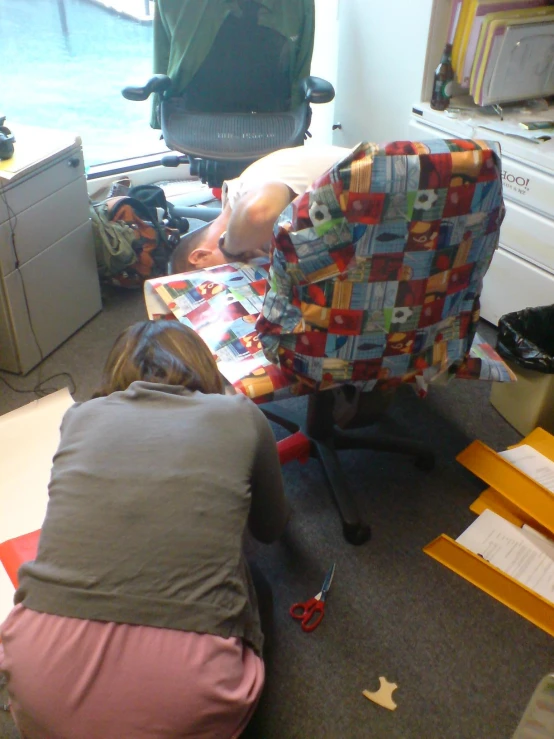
250, 226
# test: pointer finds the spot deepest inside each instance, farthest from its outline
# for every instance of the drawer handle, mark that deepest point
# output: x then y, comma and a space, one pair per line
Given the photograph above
73, 162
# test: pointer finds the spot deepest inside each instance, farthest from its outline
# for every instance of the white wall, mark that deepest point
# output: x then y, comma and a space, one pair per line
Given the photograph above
381, 56
324, 64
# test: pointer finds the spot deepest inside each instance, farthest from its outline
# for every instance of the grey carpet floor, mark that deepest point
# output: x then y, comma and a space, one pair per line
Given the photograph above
465, 665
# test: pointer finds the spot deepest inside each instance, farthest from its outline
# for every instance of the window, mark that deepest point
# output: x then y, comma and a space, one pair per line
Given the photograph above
64, 63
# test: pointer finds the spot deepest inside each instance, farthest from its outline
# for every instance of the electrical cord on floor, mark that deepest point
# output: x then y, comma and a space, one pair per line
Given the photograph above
41, 389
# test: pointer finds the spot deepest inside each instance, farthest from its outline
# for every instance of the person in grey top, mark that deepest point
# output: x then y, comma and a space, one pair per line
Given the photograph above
153, 487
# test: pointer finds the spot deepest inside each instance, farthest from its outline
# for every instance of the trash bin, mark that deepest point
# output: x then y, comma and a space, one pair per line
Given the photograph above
526, 343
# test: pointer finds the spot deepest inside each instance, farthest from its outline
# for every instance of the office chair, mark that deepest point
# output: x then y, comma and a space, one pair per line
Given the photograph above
247, 97
376, 283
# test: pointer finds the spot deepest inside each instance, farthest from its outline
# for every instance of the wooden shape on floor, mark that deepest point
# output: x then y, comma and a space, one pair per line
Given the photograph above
383, 697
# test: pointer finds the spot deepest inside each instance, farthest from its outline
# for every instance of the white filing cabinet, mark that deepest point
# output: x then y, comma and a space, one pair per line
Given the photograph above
521, 274
48, 278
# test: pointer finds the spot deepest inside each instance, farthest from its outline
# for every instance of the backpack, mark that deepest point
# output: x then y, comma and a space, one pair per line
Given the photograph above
131, 244
154, 199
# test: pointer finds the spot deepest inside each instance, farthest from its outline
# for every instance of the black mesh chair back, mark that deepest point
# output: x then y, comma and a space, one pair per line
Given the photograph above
247, 69
237, 108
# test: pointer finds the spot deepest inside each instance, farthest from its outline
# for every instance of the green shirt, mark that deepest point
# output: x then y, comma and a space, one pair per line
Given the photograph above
184, 31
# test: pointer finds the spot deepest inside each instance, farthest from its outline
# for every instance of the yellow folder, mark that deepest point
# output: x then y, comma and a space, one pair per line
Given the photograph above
492, 23
517, 498
463, 31
458, 36
467, 19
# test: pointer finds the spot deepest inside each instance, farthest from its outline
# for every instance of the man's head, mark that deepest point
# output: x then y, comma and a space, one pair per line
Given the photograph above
199, 248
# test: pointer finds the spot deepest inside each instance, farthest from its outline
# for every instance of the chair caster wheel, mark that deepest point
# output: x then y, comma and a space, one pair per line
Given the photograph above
356, 533
425, 462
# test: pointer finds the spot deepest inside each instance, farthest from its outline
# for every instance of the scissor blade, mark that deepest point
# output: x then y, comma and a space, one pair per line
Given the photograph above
327, 582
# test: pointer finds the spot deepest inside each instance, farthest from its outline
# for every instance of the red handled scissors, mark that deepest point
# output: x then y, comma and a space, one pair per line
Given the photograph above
312, 611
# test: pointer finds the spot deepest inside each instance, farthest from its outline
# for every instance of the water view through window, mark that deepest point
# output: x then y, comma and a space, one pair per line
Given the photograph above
64, 63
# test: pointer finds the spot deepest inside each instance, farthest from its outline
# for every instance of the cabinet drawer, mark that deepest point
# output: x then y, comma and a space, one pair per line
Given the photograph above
512, 284
43, 224
8, 347
61, 290
528, 228
522, 183
527, 186
41, 182
528, 234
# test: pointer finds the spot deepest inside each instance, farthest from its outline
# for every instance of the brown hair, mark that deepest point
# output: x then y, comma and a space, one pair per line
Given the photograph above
160, 351
179, 261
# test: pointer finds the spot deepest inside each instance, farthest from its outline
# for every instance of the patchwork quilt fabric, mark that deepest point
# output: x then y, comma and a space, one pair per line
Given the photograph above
376, 280
379, 275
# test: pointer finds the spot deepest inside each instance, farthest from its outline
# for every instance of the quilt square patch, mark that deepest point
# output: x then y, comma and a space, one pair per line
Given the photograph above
443, 259
396, 366
400, 342
429, 205
366, 369
395, 207
411, 293
431, 312
385, 267
346, 321
435, 170
364, 207
423, 235
459, 200
459, 278
384, 238
417, 264
311, 343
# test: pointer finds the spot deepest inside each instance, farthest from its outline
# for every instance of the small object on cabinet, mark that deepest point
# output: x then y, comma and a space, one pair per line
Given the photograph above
442, 81
536, 125
7, 140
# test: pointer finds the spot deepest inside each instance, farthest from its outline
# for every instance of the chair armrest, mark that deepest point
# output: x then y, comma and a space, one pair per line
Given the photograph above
317, 90
158, 83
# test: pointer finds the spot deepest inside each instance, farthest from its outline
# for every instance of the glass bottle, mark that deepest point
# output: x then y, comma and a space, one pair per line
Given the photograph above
442, 83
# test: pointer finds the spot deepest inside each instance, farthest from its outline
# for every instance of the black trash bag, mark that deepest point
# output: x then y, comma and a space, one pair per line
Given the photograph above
527, 338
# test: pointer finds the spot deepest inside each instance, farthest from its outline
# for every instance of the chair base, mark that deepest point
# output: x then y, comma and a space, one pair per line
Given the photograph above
319, 434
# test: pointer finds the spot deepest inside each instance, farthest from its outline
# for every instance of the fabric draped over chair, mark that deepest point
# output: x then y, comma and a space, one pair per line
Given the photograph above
374, 282
378, 277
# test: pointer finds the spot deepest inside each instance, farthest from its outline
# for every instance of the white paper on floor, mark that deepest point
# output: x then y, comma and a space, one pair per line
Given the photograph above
29, 437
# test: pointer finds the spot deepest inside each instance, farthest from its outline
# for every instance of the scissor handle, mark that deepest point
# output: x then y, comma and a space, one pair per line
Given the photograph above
298, 610
317, 610
310, 613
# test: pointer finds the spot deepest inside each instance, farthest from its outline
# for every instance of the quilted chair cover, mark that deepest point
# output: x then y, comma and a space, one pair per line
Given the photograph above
378, 279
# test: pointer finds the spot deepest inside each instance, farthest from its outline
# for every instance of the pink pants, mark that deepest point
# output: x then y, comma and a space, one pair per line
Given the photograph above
75, 679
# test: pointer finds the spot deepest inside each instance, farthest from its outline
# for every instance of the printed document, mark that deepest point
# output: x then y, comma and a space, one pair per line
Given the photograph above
514, 552
534, 464
543, 542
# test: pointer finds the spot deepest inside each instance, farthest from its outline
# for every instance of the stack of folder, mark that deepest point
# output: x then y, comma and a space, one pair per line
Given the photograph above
503, 50
508, 552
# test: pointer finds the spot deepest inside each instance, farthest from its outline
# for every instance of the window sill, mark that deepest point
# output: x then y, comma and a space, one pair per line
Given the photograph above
141, 170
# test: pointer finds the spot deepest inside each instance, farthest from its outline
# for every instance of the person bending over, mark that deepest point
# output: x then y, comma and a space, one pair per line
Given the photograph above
138, 617
252, 203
